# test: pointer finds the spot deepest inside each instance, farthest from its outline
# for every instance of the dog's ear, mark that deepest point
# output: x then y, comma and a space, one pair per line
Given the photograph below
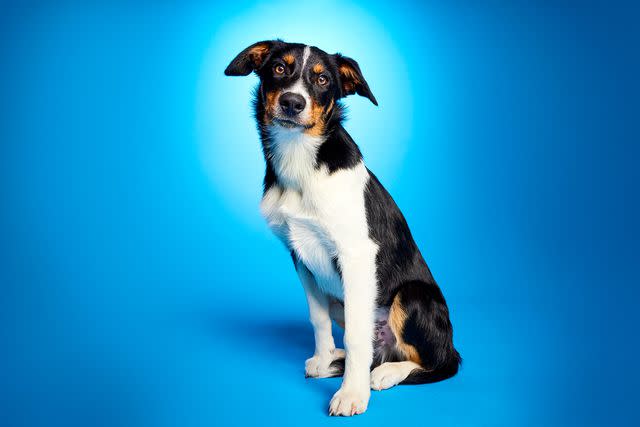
352, 79
250, 59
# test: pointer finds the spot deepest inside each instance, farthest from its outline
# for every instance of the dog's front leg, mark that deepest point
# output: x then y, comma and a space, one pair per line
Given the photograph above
319, 366
359, 284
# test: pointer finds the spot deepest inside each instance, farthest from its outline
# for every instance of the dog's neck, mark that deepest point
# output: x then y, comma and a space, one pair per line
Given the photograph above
293, 155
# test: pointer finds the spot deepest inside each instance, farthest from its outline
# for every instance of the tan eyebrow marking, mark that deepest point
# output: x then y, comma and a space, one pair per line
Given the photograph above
288, 58
318, 68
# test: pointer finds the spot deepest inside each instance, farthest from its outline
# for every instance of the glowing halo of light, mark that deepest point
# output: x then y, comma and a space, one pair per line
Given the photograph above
229, 144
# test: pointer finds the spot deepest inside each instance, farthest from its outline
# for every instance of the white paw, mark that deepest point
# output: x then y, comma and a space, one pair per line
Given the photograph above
318, 366
347, 403
386, 376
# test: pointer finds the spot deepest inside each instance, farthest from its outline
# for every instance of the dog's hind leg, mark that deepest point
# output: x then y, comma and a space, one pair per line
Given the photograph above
419, 321
390, 374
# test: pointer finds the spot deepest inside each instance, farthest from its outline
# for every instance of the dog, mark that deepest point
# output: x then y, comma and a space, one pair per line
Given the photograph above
350, 244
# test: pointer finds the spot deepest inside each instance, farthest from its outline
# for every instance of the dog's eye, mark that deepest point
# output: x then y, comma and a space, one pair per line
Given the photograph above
279, 69
322, 80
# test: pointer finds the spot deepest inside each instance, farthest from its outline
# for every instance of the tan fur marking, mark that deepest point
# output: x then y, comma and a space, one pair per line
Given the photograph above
330, 107
318, 68
317, 118
270, 104
397, 318
349, 73
349, 78
258, 53
288, 58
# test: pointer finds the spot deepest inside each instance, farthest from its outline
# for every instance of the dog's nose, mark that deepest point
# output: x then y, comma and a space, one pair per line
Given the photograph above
292, 103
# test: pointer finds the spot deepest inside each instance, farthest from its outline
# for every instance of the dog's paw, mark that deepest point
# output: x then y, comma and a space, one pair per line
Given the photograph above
319, 366
386, 376
349, 402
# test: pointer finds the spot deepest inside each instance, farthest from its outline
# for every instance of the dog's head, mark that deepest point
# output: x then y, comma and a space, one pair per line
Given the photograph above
299, 85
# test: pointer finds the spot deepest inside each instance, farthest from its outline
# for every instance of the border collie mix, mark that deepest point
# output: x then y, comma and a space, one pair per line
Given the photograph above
350, 244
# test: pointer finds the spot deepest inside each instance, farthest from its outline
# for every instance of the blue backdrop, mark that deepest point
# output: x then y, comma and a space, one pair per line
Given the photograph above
140, 286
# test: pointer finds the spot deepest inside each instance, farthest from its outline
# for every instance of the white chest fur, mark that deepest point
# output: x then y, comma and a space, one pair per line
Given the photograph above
298, 224
316, 214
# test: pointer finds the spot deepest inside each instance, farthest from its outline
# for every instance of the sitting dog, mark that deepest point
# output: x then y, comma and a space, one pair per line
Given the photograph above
350, 244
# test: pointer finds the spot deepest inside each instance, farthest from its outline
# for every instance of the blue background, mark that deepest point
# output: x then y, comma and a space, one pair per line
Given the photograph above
140, 286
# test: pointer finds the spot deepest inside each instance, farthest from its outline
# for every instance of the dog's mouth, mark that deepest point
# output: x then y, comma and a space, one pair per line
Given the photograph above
290, 124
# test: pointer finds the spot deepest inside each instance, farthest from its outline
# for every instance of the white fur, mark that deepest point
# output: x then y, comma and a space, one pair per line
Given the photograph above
321, 216
390, 374
318, 366
305, 55
293, 155
298, 87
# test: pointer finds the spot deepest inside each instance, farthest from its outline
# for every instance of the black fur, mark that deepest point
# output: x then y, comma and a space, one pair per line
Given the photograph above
399, 259
338, 151
337, 367
403, 271
429, 330
361, 87
252, 58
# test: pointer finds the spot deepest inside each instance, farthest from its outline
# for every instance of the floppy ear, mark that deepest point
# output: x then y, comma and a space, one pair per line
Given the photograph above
352, 79
250, 59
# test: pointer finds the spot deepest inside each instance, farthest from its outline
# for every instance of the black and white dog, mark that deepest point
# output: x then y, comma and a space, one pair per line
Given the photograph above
350, 244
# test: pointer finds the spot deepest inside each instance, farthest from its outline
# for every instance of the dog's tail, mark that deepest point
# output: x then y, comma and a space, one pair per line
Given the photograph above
417, 376
337, 367
419, 318
424, 376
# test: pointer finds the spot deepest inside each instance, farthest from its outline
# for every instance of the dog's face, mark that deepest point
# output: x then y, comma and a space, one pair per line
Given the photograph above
299, 85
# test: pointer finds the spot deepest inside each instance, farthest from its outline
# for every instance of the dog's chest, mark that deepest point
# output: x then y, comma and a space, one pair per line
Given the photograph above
298, 220
316, 213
